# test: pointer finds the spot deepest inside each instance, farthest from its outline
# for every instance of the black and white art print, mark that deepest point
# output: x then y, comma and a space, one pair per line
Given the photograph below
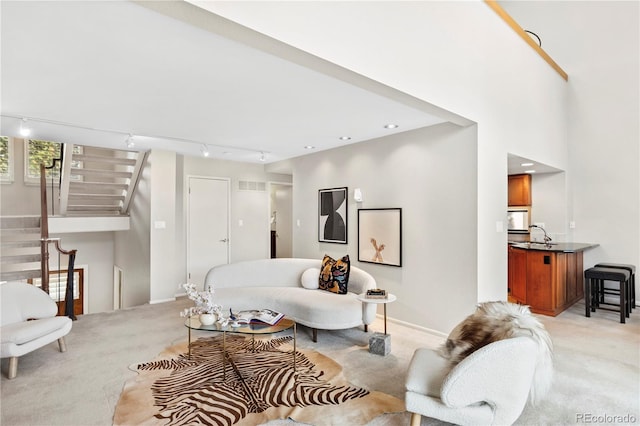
332, 215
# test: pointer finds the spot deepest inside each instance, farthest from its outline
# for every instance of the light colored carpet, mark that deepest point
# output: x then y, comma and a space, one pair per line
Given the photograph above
597, 366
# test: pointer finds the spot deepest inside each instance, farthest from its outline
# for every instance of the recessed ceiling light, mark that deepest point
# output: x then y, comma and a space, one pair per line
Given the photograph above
529, 171
309, 147
390, 126
526, 164
345, 138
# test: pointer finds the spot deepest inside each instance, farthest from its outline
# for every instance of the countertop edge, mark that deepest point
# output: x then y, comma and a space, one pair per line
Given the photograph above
558, 247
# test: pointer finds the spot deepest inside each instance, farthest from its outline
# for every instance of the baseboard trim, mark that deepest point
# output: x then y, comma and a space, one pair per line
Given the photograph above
414, 326
154, 302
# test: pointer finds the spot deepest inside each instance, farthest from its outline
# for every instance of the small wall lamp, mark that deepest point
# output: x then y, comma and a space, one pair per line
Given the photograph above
357, 195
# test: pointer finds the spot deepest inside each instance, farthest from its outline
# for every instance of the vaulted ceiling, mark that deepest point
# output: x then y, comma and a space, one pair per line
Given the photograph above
96, 72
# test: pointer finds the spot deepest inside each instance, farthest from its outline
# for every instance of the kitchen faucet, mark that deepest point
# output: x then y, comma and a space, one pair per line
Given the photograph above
547, 238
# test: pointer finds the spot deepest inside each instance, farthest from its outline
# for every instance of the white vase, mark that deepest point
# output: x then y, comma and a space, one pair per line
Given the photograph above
207, 319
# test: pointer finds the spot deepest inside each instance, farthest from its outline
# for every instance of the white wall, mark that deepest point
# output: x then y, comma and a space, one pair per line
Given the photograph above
164, 271
430, 174
604, 133
457, 55
549, 205
133, 247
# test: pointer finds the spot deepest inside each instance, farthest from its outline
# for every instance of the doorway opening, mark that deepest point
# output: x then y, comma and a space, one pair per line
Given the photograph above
280, 220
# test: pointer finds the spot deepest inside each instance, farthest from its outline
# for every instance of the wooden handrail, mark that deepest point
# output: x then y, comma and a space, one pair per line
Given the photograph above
493, 4
44, 230
44, 248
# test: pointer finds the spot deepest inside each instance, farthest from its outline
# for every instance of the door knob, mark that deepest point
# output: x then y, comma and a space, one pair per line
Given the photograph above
224, 240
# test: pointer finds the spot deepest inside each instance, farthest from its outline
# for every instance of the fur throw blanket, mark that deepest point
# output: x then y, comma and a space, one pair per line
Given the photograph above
493, 321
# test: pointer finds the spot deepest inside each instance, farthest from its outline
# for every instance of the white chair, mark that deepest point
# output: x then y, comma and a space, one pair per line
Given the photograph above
28, 322
489, 387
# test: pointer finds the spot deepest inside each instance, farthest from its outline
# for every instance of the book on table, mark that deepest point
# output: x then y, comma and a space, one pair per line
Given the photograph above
258, 316
376, 293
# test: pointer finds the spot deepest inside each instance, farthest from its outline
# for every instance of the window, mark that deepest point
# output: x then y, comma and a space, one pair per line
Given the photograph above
37, 152
6, 159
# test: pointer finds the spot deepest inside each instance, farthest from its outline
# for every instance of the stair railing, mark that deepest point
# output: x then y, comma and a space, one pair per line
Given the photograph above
65, 176
44, 249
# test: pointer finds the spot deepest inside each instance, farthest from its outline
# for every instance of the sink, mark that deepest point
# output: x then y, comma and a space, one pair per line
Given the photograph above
540, 243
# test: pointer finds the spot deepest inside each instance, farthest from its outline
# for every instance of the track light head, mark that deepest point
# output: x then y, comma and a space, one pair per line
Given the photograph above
24, 130
129, 141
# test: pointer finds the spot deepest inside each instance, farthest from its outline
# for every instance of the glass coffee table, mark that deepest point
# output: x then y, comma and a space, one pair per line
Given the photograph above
253, 329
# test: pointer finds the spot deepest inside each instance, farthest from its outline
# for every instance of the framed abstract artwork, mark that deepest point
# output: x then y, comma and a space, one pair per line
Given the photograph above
332, 215
380, 236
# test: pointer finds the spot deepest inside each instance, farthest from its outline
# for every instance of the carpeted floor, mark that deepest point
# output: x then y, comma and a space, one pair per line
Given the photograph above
597, 363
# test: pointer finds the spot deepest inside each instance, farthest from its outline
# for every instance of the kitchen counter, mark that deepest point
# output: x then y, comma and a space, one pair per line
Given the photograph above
554, 247
548, 278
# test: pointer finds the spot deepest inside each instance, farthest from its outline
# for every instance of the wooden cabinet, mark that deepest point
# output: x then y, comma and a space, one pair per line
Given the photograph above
519, 190
549, 282
518, 274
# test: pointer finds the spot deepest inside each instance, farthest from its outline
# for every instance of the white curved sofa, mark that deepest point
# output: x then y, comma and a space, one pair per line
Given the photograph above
276, 284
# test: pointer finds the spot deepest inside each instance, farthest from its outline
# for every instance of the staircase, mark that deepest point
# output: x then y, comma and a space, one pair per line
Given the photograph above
98, 181
20, 247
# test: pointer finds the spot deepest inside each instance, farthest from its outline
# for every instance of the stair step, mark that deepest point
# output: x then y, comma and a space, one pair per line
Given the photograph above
19, 231
19, 222
19, 267
104, 152
104, 159
97, 187
100, 173
7, 236
15, 250
6, 245
91, 207
23, 258
20, 275
94, 214
90, 199
97, 197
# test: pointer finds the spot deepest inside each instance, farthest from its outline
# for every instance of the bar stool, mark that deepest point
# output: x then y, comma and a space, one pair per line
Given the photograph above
632, 284
594, 278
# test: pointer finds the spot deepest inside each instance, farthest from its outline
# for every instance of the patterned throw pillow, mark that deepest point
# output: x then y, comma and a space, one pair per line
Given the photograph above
334, 274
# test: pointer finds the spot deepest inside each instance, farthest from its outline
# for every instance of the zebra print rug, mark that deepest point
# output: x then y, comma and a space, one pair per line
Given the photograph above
259, 385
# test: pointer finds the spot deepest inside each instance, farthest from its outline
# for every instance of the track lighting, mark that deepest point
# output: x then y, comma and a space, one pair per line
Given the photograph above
24, 130
130, 139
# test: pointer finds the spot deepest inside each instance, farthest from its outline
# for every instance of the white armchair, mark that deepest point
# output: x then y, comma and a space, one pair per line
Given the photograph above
28, 322
489, 387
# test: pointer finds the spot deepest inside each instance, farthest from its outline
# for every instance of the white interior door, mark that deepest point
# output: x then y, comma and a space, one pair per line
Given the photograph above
208, 227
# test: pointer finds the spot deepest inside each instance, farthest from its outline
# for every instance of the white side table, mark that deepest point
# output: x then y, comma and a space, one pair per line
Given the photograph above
379, 344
